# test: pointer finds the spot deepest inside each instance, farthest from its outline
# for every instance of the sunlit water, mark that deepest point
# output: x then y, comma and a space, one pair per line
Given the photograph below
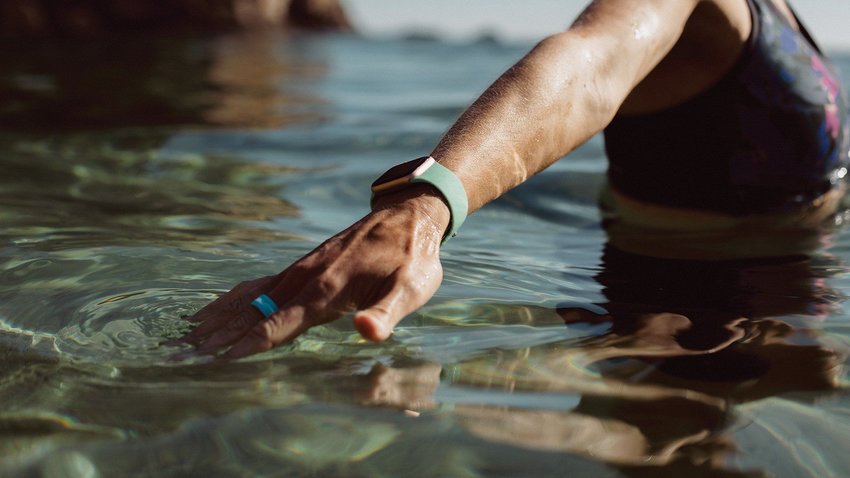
142, 179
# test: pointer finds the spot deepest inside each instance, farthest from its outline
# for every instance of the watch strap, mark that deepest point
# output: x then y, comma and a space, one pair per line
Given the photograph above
450, 186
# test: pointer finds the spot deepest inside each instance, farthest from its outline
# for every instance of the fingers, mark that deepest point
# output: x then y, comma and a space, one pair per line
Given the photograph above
313, 304
234, 330
231, 316
317, 304
242, 324
236, 322
275, 330
212, 317
206, 313
226, 329
375, 323
305, 301
232, 307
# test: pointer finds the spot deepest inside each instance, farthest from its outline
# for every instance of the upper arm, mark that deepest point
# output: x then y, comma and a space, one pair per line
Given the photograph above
631, 36
655, 53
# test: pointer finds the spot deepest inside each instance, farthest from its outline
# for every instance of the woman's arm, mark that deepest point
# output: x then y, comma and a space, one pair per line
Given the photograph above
564, 91
387, 264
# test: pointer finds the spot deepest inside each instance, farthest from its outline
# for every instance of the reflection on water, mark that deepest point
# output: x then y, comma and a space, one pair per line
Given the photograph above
125, 193
686, 344
69, 182
155, 82
141, 180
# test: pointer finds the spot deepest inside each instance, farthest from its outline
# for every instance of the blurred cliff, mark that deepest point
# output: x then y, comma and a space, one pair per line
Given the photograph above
91, 18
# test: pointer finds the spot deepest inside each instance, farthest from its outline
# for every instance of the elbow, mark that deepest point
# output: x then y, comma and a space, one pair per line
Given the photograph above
605, 95
583, 75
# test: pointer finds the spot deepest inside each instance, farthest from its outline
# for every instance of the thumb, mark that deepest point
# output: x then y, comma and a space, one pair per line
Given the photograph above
374, 323
377, 321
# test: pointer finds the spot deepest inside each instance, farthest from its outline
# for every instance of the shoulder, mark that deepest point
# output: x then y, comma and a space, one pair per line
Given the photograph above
712, 39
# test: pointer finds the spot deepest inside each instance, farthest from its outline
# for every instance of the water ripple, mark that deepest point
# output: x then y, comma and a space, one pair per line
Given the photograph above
131, 325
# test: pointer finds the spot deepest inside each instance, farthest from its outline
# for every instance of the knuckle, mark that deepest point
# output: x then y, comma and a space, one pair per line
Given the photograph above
404, 277
381, 309
320, 310
263, 334
378, 232
244, 287
409, 283
332, 243
240, 322
238, 303
327, 285
300, 268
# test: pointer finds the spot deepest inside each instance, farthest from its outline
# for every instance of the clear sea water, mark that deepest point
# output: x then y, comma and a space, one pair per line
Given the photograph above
141, 179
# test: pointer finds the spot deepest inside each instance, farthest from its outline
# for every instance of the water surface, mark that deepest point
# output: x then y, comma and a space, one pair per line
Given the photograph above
142, 179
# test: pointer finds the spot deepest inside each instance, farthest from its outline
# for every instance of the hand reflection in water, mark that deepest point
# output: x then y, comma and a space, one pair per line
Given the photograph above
681, 350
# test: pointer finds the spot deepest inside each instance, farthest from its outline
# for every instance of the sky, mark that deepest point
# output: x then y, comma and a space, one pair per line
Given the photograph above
527, 20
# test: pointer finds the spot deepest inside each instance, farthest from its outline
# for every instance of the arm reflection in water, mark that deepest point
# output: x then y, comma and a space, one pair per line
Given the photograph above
657, 388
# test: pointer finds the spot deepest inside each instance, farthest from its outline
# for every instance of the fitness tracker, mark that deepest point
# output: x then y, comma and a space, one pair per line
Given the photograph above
428, 171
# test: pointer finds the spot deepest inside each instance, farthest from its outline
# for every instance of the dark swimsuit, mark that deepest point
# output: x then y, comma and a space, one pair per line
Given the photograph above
772, 135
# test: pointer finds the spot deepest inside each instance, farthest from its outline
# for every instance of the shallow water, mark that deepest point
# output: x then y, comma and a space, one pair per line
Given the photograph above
142, 179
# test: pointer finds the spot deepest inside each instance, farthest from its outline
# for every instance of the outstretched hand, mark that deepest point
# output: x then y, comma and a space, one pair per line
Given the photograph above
385, 266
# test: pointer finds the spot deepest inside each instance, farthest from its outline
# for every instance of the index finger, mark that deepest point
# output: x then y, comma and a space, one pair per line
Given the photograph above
313, 306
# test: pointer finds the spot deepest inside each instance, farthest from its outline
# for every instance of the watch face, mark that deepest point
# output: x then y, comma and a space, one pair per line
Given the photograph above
401, 173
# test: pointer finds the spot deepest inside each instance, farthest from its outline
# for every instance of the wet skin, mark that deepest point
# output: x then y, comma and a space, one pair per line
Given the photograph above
620, 55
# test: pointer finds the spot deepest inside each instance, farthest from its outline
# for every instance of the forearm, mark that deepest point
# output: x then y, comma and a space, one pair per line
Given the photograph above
539, 110
564, 91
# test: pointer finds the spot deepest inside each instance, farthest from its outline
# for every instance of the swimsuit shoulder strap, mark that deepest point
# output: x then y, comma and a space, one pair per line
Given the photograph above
769, 6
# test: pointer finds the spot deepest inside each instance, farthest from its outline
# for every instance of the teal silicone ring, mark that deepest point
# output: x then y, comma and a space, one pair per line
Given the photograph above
265, 305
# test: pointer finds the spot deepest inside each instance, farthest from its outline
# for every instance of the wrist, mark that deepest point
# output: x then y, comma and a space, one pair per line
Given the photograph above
442, 184
422, 201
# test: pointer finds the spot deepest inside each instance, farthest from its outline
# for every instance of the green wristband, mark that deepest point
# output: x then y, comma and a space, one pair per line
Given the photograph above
427, 170
452, 190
